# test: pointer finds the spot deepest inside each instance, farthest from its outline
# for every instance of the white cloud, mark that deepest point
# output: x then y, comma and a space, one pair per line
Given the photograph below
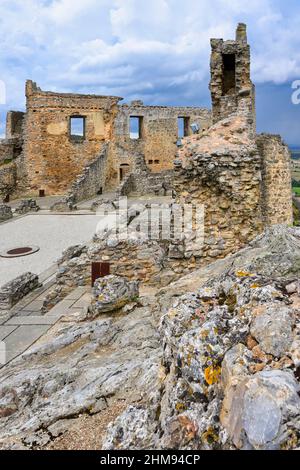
157, 50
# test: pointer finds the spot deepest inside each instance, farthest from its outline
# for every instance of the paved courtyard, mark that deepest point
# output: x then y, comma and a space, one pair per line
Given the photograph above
52, 233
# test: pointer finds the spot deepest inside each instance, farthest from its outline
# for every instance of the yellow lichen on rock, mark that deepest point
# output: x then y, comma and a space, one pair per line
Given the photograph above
212, 374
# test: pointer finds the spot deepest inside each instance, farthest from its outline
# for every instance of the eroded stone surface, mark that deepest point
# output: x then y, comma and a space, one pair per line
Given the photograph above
112, 293
74, 372
273, 329
219, 388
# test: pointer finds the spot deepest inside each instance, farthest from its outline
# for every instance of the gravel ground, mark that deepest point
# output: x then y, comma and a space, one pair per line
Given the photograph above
87, 432
52, 233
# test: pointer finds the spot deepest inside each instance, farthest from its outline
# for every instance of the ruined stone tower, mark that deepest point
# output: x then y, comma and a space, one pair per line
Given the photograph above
230, 86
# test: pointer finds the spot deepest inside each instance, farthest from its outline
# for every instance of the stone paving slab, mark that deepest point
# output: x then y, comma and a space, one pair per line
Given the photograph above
34, 306
25, 313
22, 338
48, 273
83, 301
26, 327
61, 308
33, 320
76, 293
6, 330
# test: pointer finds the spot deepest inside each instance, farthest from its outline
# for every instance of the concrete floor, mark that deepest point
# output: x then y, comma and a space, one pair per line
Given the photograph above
52, 233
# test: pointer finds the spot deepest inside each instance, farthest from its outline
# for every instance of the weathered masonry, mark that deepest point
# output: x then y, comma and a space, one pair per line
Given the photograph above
82, 145
231, 86
151, 131
61, 135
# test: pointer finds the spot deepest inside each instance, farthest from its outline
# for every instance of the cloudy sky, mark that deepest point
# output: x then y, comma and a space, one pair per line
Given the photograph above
157, 51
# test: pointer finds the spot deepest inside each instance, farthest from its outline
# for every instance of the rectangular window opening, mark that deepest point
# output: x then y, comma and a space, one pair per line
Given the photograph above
136, 127
228, 86
156, 162
77, 128
183, 127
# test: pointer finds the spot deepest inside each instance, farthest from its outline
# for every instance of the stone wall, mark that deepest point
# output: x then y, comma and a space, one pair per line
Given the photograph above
8, 179
14, 124
222, 171
5, 212
142, 181
10, 149
53, 158
276, 180
158, 137
6, 151
230, 77
13, 291
92, 180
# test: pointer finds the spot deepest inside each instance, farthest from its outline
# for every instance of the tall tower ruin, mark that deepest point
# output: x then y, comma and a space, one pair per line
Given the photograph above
231, 87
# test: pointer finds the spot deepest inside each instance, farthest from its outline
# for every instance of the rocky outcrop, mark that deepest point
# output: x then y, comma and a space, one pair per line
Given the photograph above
78, 370
230, 376
211, 362
111, 293
27, 205
65, 204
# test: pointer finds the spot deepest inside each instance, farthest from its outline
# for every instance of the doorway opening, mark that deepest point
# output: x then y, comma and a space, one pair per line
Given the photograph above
124, 170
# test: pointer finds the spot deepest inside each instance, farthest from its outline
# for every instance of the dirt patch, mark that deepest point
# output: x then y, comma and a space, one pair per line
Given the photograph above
87, 432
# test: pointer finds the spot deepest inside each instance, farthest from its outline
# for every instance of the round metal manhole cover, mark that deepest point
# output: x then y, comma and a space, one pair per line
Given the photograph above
19, 251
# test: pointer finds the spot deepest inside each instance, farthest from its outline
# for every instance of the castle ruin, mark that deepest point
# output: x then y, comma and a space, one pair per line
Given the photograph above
79, 146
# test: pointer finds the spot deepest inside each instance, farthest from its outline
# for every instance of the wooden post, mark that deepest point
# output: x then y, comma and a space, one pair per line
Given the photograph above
99, 269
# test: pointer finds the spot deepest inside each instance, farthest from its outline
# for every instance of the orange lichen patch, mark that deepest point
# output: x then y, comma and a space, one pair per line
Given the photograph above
190, 426
284, 363
258, 310
210, 436
180, 407
204, 334
251, 343
254, 286
243, 274
212, 374
257, 368
261, 355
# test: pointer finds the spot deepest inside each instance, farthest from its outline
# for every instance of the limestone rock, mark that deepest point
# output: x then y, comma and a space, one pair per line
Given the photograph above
27, 205
201, 371
74, 371
270, 399
112, 293
103, 207
132, 429
273, 329
220, 389
63, 205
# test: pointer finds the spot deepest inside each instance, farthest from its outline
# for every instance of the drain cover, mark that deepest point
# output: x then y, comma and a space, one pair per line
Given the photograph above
19, 251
